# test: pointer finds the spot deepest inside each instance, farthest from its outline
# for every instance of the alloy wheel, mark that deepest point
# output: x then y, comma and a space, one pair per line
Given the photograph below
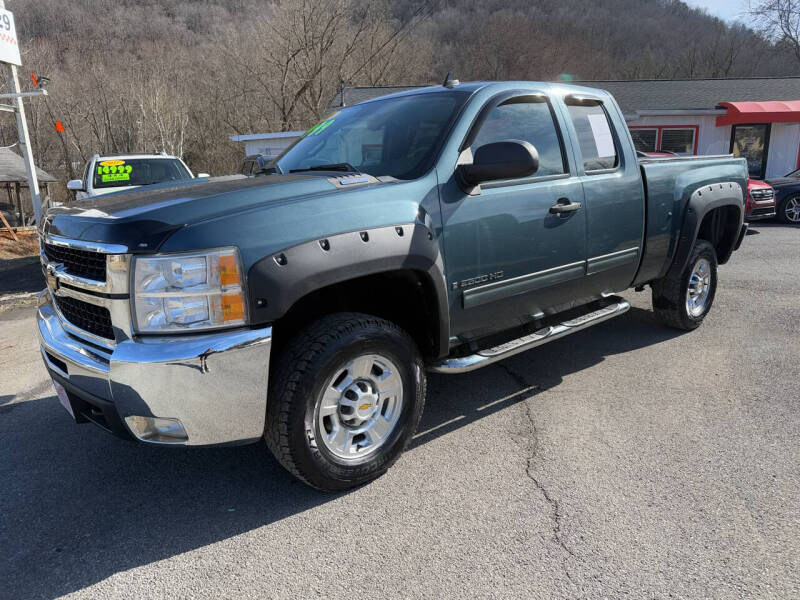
360, 406
792, 210
699, 288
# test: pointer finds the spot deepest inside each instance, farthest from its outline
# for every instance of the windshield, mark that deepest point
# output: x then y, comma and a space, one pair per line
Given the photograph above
398, 137
138, 171
794, 174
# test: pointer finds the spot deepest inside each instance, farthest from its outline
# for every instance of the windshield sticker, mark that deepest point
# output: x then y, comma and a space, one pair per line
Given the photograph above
319, 127
114, 172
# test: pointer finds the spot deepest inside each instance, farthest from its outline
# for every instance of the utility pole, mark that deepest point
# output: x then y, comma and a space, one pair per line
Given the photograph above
18, 107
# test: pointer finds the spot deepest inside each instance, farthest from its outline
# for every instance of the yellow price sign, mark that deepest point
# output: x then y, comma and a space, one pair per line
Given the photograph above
116, 177
114, 170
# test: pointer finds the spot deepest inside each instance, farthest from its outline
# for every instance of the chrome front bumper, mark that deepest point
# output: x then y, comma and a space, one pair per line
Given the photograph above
214, 384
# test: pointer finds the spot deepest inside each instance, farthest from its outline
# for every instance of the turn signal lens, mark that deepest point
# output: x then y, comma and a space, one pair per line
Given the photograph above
228, 270
232, 307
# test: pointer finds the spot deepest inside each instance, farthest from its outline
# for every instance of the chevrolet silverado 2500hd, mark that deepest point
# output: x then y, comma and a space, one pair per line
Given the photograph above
440, 229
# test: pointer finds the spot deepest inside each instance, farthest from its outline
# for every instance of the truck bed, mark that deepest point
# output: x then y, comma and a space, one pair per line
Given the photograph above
669, 183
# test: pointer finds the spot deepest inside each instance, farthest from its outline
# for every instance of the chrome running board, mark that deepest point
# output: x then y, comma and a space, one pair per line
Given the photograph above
464, 364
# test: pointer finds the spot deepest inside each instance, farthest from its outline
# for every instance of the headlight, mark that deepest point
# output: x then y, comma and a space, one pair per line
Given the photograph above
180, 292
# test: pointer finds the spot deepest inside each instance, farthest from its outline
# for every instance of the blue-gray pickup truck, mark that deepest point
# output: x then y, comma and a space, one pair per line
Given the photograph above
441, 229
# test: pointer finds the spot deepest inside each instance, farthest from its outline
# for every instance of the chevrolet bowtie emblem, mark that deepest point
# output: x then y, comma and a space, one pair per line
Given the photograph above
50, 276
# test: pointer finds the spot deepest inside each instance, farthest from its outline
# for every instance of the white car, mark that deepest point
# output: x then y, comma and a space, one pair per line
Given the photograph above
107, 174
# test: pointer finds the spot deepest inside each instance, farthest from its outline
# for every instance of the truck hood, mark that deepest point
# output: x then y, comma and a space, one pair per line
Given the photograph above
143, 218
111, 190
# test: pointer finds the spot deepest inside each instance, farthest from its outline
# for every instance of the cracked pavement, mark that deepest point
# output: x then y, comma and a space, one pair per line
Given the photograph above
627, 460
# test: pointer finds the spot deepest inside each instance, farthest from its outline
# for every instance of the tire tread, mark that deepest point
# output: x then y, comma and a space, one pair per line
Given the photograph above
668, 293
294, 365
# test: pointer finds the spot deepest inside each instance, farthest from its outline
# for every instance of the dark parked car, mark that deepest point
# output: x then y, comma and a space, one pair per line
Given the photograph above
787, 197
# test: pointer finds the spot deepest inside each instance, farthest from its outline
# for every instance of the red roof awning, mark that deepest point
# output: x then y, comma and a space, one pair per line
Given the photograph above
775, 111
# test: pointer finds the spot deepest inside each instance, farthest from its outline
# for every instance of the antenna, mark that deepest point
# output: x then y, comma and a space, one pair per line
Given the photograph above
449, 81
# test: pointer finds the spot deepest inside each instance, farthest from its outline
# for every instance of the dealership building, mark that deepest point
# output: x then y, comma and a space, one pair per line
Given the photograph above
758, 118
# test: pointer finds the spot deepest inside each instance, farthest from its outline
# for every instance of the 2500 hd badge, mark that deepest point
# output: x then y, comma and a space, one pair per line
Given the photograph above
476, 280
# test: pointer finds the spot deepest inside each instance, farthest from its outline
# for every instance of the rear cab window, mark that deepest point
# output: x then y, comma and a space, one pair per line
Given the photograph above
595, 135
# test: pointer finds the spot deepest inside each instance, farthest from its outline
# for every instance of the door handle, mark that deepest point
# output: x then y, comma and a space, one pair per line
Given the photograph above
564, 206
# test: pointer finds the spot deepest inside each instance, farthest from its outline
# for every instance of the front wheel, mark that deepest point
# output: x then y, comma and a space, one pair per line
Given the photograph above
683, 302
789, 210
345, 398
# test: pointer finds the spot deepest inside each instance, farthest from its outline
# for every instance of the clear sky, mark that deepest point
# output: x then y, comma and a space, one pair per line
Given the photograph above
729, 10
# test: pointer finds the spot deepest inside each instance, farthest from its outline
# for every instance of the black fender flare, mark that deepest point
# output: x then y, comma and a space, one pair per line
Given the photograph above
276, 282
702, 201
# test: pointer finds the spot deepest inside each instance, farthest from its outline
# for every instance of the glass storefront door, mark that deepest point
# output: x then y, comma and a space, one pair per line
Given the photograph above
752, 143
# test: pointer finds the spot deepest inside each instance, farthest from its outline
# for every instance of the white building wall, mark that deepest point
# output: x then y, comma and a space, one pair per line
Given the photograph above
711, 139
784, 141
783, 145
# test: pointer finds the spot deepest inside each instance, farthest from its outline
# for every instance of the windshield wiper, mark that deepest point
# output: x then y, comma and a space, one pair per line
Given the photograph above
342, 166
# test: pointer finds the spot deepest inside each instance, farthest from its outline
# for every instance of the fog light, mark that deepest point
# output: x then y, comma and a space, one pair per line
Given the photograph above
157, 429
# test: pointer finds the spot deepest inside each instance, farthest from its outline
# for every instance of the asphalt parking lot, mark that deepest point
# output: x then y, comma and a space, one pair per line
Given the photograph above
628, 460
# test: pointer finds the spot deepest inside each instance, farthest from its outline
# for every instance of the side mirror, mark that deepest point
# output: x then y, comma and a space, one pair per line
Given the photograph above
199, 175
509, 159
75, 185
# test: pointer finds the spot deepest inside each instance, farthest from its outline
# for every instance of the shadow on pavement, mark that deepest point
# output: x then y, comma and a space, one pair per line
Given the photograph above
78, 506
19, 275
771, 225
535, 371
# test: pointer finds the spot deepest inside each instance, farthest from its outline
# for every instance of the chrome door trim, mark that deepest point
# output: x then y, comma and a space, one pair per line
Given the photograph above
604, 262
499, 290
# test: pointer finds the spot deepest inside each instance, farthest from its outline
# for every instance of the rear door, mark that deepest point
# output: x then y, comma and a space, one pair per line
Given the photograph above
613, 192
509, 258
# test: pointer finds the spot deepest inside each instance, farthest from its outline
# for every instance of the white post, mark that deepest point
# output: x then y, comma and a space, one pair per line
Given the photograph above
25, 144
24, 139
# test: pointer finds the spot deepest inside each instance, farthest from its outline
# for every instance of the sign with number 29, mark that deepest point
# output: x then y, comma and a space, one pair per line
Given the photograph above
9, 49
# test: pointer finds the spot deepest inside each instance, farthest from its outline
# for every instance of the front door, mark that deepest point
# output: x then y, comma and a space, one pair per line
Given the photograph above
752, 142
509, 259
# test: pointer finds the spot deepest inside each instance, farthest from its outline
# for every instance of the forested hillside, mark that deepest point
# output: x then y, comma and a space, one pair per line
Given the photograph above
182, 75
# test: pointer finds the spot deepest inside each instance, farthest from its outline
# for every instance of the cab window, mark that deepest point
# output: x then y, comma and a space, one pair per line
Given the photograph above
595, 136
529, 119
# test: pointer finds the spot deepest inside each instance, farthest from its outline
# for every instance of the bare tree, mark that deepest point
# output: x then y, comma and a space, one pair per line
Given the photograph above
781, 19
183, 75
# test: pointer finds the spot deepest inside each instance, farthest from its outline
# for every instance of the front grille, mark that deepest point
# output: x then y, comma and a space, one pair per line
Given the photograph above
762, 195
91, 318
81, 263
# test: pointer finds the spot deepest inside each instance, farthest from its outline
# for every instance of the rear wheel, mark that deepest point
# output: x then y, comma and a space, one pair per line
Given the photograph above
345, 398
789, 210
683, 302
